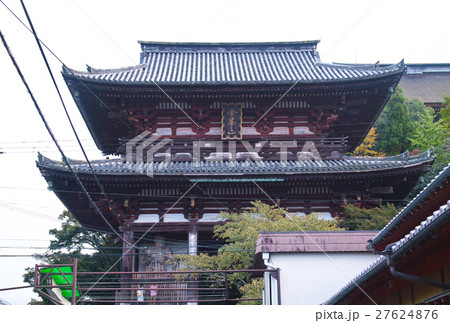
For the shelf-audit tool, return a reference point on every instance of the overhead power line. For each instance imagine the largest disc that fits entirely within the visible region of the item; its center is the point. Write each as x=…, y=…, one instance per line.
x=41, y=115
x=67, y=113
x=80, y=81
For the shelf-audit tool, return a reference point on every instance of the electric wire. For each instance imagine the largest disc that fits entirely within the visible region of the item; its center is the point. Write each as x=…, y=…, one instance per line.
x=41, y=115
x=69, y=70
x=48, y=67
x=67, y=113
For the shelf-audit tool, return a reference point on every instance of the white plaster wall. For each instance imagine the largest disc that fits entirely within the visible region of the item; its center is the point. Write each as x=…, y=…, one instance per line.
x=312, y=278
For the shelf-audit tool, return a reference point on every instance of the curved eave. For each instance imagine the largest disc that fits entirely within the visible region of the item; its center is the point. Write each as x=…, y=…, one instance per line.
x=341, y=167
x=87, y=77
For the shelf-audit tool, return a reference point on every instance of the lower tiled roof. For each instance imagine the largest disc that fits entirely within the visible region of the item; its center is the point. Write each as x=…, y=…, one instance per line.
x=345, y=165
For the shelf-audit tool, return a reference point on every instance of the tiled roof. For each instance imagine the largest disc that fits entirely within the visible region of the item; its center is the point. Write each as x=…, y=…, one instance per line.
x=424, y=229
x=345, y=165
x=442, y=176
x=428, y=87
x=2, y=302
x=324, y=241
x=427, y=68
x=233, y=63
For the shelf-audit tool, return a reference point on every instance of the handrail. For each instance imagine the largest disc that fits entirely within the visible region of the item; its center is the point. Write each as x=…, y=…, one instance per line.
x=141, y=287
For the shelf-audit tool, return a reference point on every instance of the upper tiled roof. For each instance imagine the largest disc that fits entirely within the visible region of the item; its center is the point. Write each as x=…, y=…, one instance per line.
x=233, y=63
x=345, y=165
x=433, y=222
x=323, y=241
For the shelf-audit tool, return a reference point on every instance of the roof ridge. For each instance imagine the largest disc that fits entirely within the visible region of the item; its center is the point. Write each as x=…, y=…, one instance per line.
x=350, y=66
x=404, y=155
x=228, y=44
x=91, y=70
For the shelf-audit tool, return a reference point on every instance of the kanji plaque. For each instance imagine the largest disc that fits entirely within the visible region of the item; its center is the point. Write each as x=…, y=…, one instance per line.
x=232, y=121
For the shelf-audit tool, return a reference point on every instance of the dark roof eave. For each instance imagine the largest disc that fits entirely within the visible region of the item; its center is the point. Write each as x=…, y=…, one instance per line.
x=46, y=163
x=177, y=85
x=444, y=174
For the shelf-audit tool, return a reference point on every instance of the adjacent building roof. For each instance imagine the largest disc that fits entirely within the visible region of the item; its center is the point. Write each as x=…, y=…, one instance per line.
x=424, y=229
x=346, y=165
x=437, y=189
x=320, y=241
x=427, y=82
x=234, y=64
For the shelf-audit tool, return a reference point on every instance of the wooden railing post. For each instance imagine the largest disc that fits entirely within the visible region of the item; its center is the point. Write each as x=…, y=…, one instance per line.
x=226, y=288
x=36, y=278
x=74, y=280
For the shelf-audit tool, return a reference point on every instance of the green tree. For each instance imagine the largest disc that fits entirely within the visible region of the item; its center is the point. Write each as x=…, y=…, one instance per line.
x=431, y=134
x=394, y=125
x=71, y=241
x=428, y=134
x=417, y=110
x=367, y=219
x=240, y=232
x=445, y=113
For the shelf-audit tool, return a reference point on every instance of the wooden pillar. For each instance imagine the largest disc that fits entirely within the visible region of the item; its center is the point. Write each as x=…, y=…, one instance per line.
x=193, y=212
x=193, y=251
x=127, y=263
x=127, y=260
x=192, y=238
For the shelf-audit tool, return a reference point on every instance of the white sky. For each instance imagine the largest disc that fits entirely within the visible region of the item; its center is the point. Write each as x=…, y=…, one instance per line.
x=351, y=31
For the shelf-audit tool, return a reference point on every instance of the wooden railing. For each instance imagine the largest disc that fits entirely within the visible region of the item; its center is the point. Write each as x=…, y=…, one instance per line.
x=144, y=288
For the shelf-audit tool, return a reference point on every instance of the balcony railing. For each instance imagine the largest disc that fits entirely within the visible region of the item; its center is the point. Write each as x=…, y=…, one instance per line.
x=63, y=284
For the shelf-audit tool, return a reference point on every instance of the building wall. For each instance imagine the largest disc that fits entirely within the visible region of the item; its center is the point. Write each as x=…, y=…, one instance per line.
x=310, y=278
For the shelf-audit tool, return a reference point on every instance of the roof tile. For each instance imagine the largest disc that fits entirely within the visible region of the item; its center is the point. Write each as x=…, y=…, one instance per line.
x=233, y=63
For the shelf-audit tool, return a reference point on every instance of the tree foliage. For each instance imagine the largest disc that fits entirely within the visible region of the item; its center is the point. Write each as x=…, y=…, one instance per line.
x=445, y=113
x=366, y=148
x=428, y=133
x=240, y=232
x=417, y=110
x=367, y=219
x=72, y=241
x=394, y=125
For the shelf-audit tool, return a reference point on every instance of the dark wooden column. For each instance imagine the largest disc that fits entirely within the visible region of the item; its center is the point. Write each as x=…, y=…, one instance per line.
x=127, y=262
x=193, y=212
x=193, y=238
